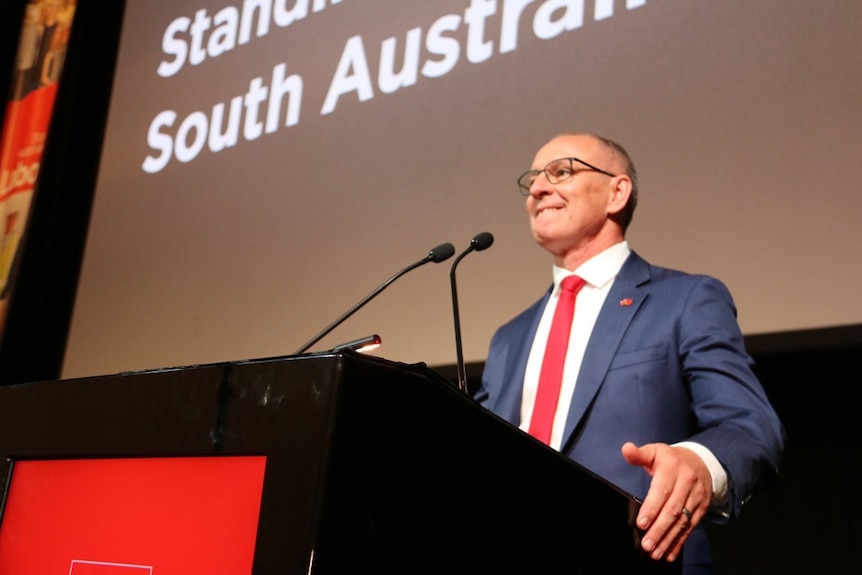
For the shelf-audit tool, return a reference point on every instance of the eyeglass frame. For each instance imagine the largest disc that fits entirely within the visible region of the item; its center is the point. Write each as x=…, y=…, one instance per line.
x=525, y=190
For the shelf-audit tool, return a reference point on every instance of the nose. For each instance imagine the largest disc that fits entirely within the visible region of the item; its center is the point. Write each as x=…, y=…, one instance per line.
x=540, y=186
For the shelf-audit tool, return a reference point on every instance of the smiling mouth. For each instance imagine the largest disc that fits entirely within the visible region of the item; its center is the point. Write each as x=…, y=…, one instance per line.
x=548, y=209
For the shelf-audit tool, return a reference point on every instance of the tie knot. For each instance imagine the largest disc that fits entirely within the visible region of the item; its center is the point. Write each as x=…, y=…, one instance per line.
x=572, y=284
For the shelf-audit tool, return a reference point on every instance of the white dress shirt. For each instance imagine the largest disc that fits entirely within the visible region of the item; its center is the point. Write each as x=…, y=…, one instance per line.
x=599, y=273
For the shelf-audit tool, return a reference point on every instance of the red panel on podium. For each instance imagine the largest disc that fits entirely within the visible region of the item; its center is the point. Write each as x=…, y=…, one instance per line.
x=132, y=516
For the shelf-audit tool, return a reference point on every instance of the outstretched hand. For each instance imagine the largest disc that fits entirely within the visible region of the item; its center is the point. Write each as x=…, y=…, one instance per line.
x=679, y=496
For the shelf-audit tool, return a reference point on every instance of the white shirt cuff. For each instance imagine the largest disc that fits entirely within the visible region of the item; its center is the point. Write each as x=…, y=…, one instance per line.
x=716, y=471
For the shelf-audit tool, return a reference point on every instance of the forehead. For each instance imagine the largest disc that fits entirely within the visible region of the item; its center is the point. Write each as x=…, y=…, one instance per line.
x=582, y=147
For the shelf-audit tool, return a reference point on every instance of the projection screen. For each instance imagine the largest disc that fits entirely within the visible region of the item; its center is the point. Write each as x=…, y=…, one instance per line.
x=268, y=163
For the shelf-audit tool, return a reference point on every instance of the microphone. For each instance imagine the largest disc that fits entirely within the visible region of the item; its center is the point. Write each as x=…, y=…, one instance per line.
x=481, y=241
x=438, y=254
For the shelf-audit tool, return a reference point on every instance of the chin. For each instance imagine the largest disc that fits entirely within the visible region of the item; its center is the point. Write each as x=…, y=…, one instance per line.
x=549, y=244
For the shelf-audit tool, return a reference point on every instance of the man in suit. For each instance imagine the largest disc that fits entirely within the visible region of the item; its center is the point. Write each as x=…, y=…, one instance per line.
x=657, y=394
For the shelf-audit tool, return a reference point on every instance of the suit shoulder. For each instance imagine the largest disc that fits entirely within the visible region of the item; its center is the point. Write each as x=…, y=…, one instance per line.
x=683, y=278
x=690, y=279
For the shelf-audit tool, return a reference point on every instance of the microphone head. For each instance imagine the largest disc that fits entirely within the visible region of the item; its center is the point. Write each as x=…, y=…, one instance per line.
x=482, y=241
x=441, y=253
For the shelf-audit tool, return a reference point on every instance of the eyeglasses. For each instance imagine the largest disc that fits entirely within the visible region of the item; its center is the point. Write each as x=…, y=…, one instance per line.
x=557, y=172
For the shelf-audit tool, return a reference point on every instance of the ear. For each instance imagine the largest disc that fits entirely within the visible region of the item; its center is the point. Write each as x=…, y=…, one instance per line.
x=620, y=190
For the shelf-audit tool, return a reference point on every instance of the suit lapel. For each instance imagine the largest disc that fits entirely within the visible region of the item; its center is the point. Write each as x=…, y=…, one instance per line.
x=627, y=294
x=524, y=332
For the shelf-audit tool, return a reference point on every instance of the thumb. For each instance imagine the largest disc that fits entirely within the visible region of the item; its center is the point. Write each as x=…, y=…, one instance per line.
x=640, y=456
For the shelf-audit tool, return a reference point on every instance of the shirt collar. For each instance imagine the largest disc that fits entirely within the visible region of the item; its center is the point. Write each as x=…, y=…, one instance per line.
x=599, y=269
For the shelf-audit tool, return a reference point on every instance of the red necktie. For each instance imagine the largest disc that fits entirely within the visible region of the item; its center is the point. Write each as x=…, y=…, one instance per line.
x=551, y=376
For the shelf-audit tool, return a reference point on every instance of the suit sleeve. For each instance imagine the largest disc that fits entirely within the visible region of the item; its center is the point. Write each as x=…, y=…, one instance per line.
x=493, y=373
x=735, y=420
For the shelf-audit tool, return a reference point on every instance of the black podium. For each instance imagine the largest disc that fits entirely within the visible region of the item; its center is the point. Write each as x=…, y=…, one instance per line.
x=371, y=466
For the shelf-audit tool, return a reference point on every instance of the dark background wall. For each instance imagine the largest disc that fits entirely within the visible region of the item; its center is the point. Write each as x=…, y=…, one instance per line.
x=805, y=522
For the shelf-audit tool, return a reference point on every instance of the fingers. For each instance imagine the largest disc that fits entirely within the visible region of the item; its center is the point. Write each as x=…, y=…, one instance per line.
x=662, y=517
x=671, y=545
x=678, y=497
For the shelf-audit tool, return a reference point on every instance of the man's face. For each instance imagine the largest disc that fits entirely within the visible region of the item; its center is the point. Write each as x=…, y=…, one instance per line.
x=573, y=215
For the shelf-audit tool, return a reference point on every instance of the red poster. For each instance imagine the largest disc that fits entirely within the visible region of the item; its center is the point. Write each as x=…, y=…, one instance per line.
x=41, y=53
x=148, y=516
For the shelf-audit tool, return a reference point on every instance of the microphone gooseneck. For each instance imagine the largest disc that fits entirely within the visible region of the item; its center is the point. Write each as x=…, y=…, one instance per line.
x=437, y=254
x=480, y=241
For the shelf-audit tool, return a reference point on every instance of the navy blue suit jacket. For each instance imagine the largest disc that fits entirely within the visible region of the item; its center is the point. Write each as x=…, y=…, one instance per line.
x=665, y=363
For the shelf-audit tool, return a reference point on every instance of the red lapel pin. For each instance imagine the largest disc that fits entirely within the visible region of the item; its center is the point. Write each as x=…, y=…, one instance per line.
x=626, y=302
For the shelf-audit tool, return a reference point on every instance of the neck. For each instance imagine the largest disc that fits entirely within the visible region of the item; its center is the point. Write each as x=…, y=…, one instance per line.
x=573, y=258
